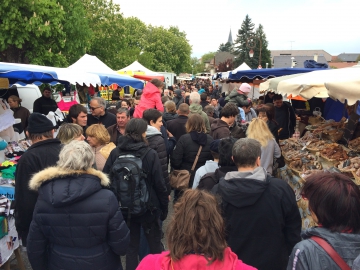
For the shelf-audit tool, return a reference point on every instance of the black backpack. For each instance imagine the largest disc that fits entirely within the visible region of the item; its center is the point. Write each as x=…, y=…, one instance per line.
x=130, y=185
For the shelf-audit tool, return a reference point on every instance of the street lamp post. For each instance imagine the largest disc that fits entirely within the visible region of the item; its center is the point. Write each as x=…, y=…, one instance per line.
x=251, y=44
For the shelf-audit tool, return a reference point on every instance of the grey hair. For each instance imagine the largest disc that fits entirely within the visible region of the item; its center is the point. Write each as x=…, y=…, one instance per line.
x=76, y=155
x=123, y=110
x=100, y=101
x=245, y=152
x=209, y=110
x=195, y=97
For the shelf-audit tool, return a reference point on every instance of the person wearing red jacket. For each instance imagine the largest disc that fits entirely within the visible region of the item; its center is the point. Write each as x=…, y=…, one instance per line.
x=150, y=98
x=195, y=237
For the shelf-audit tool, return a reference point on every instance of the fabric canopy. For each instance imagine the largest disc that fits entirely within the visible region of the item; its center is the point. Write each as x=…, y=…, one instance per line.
x=92, y=64
x=225, y=75
x=137, y=70
x=271, y=84
x=243, y=66
x=266, y=73
x=324, y=82
x=26, y=74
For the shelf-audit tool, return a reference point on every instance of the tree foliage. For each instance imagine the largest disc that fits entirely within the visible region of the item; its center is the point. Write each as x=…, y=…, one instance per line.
x=59, y=32
x=227, y=47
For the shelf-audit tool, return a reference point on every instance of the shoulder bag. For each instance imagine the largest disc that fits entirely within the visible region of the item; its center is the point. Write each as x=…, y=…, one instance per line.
x=179, y=179
x=331, y=252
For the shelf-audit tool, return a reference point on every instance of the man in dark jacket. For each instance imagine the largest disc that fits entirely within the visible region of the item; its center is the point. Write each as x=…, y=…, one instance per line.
x=43, y=153
x=177, y=126
x=226, y=164
x=98, y=113
x=263, y=222
x=221, y=127
x=285, y=117
x=45, y=104
x=203, y=101
x=117, y=130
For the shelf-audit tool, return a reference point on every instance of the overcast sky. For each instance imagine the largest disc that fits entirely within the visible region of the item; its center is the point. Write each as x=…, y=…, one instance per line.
x=331, y=25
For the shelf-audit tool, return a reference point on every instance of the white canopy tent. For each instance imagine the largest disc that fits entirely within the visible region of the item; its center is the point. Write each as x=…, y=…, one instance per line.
x=91, y=63
x=243, y=66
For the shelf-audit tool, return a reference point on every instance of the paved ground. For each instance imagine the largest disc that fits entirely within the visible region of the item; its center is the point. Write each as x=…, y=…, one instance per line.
x=28, y=266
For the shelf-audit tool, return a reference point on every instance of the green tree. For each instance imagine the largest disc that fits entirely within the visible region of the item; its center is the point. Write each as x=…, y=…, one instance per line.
x=265, y=52
x=108, y=28
x=196, y=66
x=358, y=58
x=227, y=47
x=44, y=32
x=241, y=46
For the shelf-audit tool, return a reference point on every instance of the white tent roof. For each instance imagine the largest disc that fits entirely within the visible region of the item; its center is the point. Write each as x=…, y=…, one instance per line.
x=136, y=66
x=243, y=66
x=91, y=63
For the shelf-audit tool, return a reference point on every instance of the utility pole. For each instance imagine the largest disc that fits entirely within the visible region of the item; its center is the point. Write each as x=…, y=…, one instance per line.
x=291, y=42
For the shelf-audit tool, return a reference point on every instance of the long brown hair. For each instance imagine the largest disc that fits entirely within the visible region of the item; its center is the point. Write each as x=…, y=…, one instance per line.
x=196, y=227
x=196, y=123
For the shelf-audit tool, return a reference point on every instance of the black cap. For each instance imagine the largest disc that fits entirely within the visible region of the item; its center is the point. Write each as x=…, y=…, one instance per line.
x=39, y=123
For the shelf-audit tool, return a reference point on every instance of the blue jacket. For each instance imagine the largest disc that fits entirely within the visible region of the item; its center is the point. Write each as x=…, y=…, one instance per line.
x=76, y=223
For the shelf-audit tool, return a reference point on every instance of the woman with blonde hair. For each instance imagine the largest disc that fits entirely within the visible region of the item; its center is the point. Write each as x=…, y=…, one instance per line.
x=69, y=132
x=99, y=139
x=259, y=131
x=195, y=237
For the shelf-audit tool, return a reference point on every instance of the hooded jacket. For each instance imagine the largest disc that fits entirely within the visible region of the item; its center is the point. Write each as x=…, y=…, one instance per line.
x=169, y=116
x=184, y=154
x=209, y=167
x=219, y=129
x=178, y=99
x=156, y=142
x=239, y=99
x=308, y=255
x=150, y=164
x=262, y=219
x=77, y=224
x=197, y=108
x=192, y=262
x=150, y=99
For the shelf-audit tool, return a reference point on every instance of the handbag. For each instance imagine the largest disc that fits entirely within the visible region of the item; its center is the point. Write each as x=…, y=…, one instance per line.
x=331, y=252
x=179, y=179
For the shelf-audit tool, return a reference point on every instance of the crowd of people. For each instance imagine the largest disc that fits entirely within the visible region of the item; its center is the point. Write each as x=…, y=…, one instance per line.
x=234, y=214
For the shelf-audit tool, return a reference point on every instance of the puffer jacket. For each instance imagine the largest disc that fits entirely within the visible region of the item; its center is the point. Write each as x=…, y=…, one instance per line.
x=76, y=224
x=308, y=255
x=239, y=99
x=156, y=142
x=150, y=99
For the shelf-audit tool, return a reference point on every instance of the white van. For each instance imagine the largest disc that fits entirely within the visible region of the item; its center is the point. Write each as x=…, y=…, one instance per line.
x=28, y=93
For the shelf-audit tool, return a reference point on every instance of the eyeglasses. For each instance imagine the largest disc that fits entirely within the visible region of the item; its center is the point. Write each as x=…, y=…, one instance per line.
x=94, y=108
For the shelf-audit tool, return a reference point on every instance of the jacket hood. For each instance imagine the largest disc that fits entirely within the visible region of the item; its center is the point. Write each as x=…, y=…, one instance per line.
x=209, y=165
x=243, y=188
x=218, y=123
x=198, y=262
x=346, y=244
x=150, y=90
x=177, y=93
x=63, y=187
x=152, y=131
x=126, y=144
x=195, y=108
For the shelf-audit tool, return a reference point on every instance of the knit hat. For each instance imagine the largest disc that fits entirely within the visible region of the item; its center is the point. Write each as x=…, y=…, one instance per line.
x=245, y=88
x=214, y=146
x=39, y=123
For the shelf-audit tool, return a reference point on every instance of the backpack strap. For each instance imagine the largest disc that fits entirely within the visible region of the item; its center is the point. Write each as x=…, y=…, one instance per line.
x=331, y=252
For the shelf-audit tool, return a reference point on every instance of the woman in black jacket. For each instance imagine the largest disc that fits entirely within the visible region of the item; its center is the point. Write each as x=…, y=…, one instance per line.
x=134, y=142
x=186, y=149
x=154, y=137
x=76, y=223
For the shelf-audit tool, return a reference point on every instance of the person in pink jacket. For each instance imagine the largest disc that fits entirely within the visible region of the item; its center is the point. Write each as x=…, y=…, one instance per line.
x=150, y=98
x=196, y=238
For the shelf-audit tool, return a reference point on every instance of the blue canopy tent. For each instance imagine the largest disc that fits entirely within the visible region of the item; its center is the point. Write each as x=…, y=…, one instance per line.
x=249, y=75
x=25, y=74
